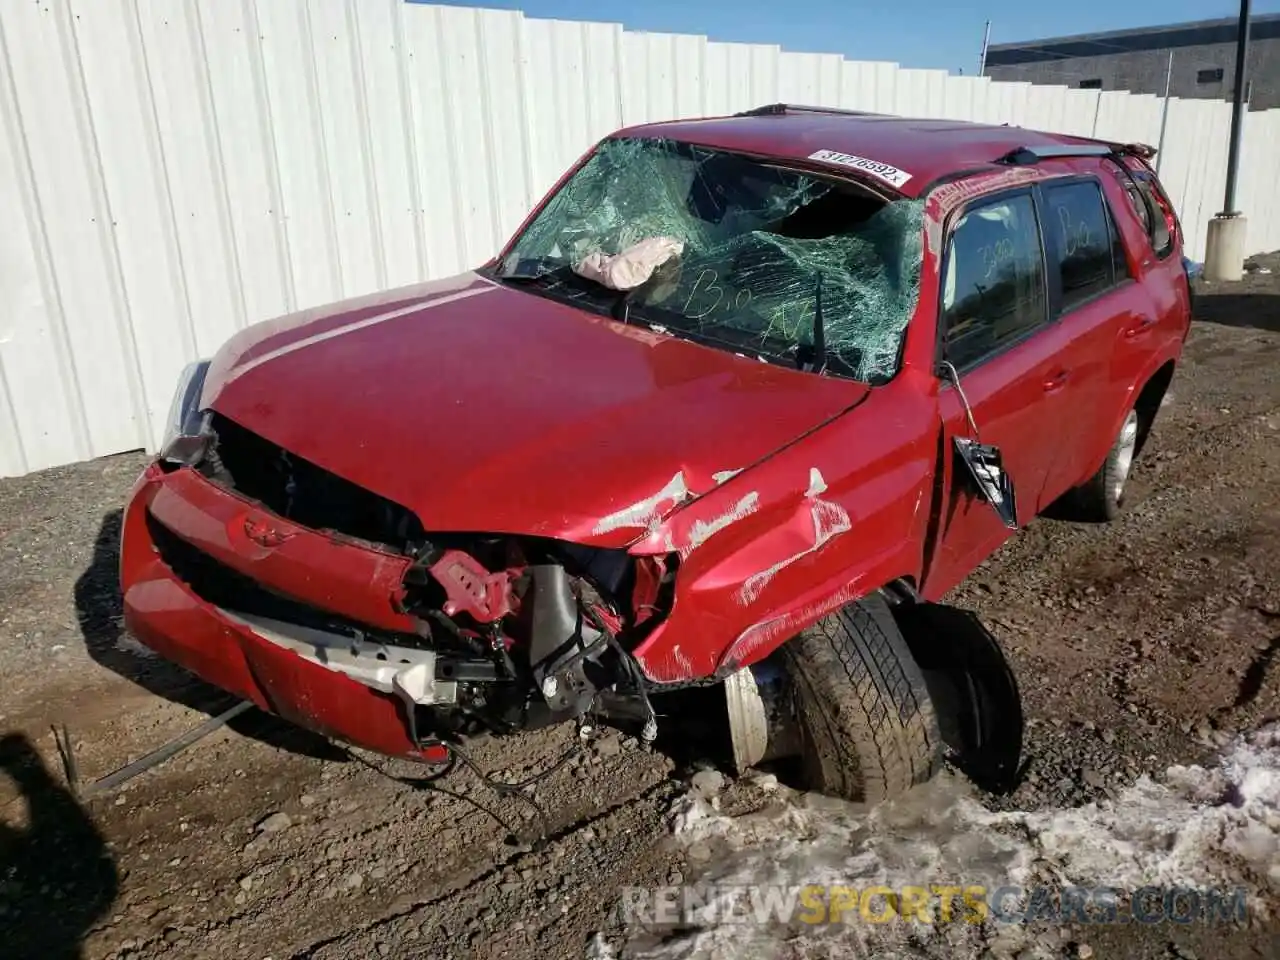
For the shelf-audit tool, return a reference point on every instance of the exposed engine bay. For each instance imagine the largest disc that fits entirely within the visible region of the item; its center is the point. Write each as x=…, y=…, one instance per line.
x=507, y=633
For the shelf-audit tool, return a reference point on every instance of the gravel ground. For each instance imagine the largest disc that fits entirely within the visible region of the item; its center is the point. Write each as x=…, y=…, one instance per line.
x=1140, y=644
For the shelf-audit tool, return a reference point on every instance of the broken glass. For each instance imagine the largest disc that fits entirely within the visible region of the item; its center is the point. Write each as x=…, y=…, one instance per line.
x=757, y=242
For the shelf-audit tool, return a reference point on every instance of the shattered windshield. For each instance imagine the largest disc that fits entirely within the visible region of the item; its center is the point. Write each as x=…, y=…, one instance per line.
x=731, y=251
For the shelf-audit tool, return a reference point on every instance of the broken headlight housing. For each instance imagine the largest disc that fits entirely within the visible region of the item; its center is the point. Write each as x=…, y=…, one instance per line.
x=186, y=433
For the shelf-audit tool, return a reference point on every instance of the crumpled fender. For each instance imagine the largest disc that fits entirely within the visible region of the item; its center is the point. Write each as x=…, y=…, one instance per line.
x=775, y=547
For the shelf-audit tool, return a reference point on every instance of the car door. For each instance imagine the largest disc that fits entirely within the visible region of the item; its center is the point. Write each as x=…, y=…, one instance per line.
x=994, y=329
x=1099, y=314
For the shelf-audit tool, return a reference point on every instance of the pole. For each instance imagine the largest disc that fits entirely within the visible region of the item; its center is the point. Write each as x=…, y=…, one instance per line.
x=1237, y=110
x=1164, y=114
x=982, y=57
x=1228, y=231
x=142, y=764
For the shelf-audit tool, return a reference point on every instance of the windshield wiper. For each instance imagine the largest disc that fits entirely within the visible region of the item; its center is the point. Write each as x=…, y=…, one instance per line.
x=516, y=277
x=564, y=274
x=819, y=329
x=622, y=306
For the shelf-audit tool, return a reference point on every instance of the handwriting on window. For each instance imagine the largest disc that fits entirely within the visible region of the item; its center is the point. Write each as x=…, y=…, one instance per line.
x=707, y=296
x=711, y=299
x=1075, y=233
x=996, y=257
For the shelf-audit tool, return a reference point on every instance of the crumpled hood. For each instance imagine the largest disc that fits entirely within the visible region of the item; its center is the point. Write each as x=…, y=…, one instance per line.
x=485, y=408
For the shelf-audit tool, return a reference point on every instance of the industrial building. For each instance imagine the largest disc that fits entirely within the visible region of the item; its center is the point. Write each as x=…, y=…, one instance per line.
x=1202, y=65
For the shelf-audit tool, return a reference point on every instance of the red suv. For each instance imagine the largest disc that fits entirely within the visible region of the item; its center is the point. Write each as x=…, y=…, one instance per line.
x=740, y=395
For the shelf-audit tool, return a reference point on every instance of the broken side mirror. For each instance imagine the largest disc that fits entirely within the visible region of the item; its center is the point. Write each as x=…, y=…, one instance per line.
x=984, y=470
x=988, y=478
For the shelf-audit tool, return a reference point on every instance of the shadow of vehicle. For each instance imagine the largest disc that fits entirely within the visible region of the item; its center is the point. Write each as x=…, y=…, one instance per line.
x=1258, y=309
x=100, y=609
x=969, y=679
x=57, y=876
x=973, y=689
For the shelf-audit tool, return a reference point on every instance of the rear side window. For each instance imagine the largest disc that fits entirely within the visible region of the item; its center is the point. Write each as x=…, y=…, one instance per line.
x=1159, y=230
x=994, y=290
x=1085, y=247
x=1139, y=204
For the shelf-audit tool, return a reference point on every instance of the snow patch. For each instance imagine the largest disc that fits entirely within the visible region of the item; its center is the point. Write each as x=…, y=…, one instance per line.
x=647, y=513
x=1197, y=827
x=598, y=949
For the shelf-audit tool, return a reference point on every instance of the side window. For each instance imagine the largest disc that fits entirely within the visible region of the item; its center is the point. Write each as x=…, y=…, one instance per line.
x=994, y=290
x=1089, y=255
x=1161, y=237
x=1139, y=204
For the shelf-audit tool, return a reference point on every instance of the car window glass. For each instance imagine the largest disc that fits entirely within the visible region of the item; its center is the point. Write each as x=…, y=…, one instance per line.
x=1139, y=205
x=754, y=258
x=1119, y=262
x=993, y=290
x=1161, y=239
x=1085, y=240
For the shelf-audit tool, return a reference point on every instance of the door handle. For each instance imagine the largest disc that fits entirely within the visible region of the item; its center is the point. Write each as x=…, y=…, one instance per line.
x=1057, y=381
x=1139, y=328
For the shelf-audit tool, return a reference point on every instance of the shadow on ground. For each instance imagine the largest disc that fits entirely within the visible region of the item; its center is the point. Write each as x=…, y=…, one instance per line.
x=1259, y=311
x=100, y=610
x=971, y=685
x=57, y=877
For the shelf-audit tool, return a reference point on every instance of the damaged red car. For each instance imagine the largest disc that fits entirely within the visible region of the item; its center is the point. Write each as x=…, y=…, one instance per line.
x=739, y=403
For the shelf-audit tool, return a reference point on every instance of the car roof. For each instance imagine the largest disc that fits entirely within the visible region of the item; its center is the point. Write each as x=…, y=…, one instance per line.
x=924, y=149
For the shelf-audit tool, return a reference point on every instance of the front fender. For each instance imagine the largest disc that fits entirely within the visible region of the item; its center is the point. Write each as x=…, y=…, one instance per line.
x=781, y=545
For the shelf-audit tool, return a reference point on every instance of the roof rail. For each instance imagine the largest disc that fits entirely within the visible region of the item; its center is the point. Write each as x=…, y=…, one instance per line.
x=777, y=109
x=1023, y=156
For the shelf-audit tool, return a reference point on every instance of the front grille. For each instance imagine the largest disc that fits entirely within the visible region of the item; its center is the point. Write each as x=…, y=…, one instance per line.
x=303, y=492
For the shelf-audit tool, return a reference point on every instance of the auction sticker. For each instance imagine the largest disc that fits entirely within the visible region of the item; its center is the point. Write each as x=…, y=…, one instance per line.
x=881, y=171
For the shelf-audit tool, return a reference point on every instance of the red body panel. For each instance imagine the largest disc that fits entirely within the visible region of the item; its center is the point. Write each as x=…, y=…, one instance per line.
x=487, y=409
x=360, y=582
x=1009, y=396
x=835, y=516
x=925, y=149
x=482, y=408
x=168, y=617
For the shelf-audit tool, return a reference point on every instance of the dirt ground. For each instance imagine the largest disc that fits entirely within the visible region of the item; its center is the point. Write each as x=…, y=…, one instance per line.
x=1138, y=645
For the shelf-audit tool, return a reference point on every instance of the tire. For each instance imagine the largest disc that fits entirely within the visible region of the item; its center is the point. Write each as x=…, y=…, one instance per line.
x=1100, y=499
x=867, y=726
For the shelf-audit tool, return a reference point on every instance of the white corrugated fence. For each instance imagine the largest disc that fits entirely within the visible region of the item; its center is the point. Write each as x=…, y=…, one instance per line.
x=172, y=170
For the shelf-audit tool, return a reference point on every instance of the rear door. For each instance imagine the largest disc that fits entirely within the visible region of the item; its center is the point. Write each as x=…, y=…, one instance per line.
x=1101, y=314
x=994, y=326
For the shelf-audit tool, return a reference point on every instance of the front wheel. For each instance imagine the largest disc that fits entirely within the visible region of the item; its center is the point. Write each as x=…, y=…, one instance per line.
x=867, y=726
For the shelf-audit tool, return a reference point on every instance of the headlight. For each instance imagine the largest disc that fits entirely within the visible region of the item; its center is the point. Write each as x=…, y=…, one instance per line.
x=185, y=435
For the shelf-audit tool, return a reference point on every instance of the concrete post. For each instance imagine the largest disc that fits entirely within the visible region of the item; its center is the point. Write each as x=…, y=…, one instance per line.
x=1224, y=251
x=1225, y=247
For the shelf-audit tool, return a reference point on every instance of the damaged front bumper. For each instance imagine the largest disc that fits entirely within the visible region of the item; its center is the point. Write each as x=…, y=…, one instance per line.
x=359, y=692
